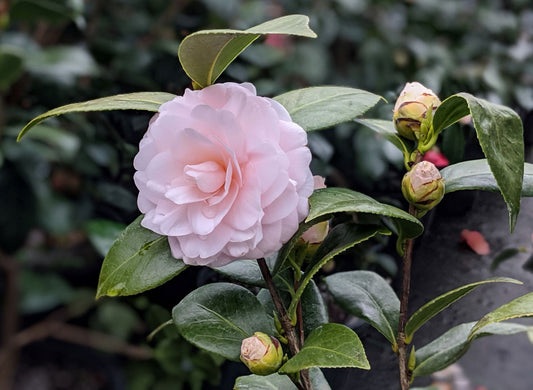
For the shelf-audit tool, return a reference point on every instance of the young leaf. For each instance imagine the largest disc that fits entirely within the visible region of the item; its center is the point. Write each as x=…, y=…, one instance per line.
x=432, y=308
x=331, y=346
x=519, y=307
x=317, y=108
x=138, y=261
x=205, y=54
x=453, y=344
x=368, y=296
x=280, y=382
x=217, y=317
x=386, y=129
x=500, y=133
x=340, y=238
x=147, y=101
x=335, y=200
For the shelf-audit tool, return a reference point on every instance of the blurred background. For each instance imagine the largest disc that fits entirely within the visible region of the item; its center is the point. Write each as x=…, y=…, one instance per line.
x=66, y=191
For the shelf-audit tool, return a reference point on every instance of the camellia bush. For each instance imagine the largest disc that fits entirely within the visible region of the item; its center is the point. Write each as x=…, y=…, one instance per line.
x=224, y=182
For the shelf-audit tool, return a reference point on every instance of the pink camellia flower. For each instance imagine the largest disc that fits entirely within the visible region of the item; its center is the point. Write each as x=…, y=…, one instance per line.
x=436, y=157
x=224, y=174
x=317, y=233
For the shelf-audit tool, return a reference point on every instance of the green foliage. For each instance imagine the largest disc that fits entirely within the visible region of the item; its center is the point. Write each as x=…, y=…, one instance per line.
x=280, y=382
x=318, y=108
x=217, y=317
x=476, y=175
x=138, y=261
x=103, y=233
x=10, y=68
x=149, y=101
x=368, y=296
x=205, y=54
x=330, y=345
x=435, y=306
x=500, y=134
x=453, y=344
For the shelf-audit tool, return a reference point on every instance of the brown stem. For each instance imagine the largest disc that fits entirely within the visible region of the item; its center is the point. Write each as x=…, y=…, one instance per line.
x=403, y=360
x=290, y=333
x=9, y=364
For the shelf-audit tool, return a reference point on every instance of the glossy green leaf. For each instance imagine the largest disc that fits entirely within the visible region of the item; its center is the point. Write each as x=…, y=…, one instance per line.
x=500, y=133
x=317, y=108
x=147, y=101
x=205, y=54
x=217, y=317
x=453, y=344
x=103, y=233
x=139, y=260
x=435, y=306
x=330, y=346
x=476, y=175
x=244, y=271
x=340, y=238
x=368, y=296
x=335, y=200
x=519, y=307
x=280, y=382
x=386, y=129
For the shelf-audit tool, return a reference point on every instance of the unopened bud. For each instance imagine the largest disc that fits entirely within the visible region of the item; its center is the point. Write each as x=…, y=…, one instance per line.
x=262, y=354
x=411, y=109
x=317, y=233
x=423, y=186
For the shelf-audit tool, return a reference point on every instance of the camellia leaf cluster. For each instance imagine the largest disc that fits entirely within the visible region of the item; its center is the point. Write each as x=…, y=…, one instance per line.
x=278, y=296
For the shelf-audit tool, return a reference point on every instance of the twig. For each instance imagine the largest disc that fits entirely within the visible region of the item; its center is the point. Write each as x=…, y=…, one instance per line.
x=290, y=333
x=404, y=302
x=9, y=361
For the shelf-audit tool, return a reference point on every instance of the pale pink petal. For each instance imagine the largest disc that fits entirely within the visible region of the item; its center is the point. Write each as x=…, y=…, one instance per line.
x=475, y=241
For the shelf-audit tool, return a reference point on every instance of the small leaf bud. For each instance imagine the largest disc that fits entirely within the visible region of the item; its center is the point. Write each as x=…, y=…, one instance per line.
x=262, y=354
x=411, y=109
x=423, y=186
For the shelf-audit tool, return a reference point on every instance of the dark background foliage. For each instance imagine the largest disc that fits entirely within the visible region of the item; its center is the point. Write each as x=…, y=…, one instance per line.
x=67, y=190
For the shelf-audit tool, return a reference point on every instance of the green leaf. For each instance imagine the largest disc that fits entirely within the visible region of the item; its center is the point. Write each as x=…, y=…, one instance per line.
x=317, y=108
x=340, y=238
x=435, y=306
x=476, y=175
x=148, y=101
x=244, y=271
x=386, y=129
x=519, y=307
x=205, y=54
x=500, y=133
x=368, y=296
x=11, y=67
x=314, y=310
x=335, y=200
x=504, y=255
x=217, y=317
x=331, y=346
x=138, y=261
x=103, y=233
x=280, y=382
x=453, y=344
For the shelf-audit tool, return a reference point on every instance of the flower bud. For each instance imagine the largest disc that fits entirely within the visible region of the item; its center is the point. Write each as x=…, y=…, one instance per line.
x=423, y=186
x=316, y=233
x=411, y=109
x=262, y=354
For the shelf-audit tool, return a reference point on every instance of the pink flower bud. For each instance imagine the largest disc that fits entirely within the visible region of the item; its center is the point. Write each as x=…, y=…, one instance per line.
x=262, y=354
x=411, y=109
x=423, y=186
